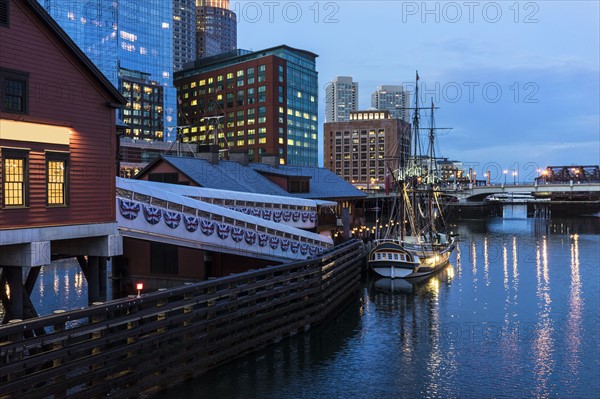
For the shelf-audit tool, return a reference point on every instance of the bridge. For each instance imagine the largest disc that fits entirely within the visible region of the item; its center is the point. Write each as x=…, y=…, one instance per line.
x=253, y=225
x=479, y=192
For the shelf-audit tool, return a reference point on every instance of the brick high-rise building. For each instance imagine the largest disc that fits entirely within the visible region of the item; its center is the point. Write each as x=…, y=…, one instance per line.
x=367, y=147
x=264, y=102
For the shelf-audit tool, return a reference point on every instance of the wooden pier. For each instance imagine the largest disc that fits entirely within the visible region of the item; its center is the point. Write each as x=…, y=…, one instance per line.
x=140, y=345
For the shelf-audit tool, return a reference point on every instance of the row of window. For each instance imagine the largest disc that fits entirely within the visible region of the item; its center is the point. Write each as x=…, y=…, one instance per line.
x=15, y=178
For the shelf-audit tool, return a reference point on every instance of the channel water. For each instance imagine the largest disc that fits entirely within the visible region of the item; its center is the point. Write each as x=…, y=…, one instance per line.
x=516, y=313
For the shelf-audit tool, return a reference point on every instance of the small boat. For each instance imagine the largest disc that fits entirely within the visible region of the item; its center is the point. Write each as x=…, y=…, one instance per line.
x=416, y=244
x=514, y=198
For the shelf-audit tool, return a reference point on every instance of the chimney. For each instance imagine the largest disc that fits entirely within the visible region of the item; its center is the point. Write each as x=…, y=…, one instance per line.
x=272, y=160
x=208, y=152
x=240, y=157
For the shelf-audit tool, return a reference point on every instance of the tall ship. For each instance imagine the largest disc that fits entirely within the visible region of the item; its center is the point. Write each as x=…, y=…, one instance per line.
x=417, y=241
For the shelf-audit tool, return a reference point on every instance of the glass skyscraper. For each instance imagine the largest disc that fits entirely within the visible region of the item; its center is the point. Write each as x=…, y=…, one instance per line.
x=341, y=98
x=127, y=35
x=216, y=28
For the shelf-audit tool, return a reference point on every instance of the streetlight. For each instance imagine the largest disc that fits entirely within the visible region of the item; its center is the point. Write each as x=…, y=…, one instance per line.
x=515, y=178
x=505, y=173
x=485, y=176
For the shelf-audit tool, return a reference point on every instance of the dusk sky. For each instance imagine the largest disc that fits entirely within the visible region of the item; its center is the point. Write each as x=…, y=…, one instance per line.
x=518, y=82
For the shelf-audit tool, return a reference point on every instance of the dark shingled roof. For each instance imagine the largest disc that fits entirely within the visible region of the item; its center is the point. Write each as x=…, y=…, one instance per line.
x=229, y=175
x=324, y=184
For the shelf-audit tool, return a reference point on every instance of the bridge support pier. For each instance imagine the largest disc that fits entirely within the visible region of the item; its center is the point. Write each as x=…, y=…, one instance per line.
x=94, y=269
x=18, y=305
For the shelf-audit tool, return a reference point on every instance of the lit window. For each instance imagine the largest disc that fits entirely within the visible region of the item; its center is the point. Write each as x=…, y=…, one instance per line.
x=14, y=178
x=56, y=178
x=165, y=25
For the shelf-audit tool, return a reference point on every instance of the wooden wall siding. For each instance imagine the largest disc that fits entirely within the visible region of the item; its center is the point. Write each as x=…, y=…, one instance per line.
x=137, y=253
x=191, y=263
x=62, y=92
x=134, y=347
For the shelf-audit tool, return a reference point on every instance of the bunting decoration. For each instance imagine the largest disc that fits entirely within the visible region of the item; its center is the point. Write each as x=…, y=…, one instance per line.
x=287, y=215
x=313, y=250
x=262, y=239
x=295, y=246
x=172, y=219
x=152, y=214
x=191, y=223
x=274, y=242
x=256, y=212
x=304, y=217
x=237, y=234
x=207, y=227
x=285, y=244
x=312, y=217
x=277, y=216
x=303, y=249
x=266, y=214
x=223, y=230
x=129, y=209
x=295, y=216
x=250, y=237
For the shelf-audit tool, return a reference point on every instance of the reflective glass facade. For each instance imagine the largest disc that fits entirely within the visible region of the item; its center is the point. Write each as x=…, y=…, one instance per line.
x=302, y=106
x=135, y=35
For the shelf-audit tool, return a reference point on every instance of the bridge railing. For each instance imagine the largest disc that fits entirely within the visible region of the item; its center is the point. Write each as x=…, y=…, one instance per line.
x=142, y=344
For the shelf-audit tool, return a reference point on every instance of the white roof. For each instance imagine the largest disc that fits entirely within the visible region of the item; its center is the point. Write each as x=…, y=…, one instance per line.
x=163, y=191
x=190, y=191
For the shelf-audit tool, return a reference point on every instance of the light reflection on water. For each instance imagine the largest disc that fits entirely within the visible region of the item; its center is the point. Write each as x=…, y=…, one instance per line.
x=450, y=336
x=515, y=314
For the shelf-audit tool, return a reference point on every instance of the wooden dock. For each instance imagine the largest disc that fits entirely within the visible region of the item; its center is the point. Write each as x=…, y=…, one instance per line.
x=140, y=345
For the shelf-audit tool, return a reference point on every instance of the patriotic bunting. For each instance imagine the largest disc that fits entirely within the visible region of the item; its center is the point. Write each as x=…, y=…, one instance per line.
x=152, y=214
x=287, y=215
x=207, y=227
x=223, y=230
x=191, y=223
x=172, y=219
x=237, y=234
x=129, y=209
x=274, y=242
x=262, y=239
x=250, y=237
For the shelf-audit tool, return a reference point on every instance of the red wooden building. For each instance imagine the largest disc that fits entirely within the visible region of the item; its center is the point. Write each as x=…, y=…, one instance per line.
x=57, y=153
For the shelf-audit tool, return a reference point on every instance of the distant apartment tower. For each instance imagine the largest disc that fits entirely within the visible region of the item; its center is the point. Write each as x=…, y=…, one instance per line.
x=341, y=97
x=263, y=102
x=126, y=36
x=394, y=99
x=216, y=28
x=184, y=32
x=365, y=148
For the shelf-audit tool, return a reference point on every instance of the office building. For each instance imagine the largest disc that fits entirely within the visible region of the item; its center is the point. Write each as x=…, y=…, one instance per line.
x=366, y=148
x=394, y=99
x=341, y=98
x=184, y=32
x=132, y=36
x=216, y=28
x=265, y=102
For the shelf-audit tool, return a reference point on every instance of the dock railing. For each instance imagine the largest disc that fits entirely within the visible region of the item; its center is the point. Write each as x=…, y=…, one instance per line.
x=140, y=345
